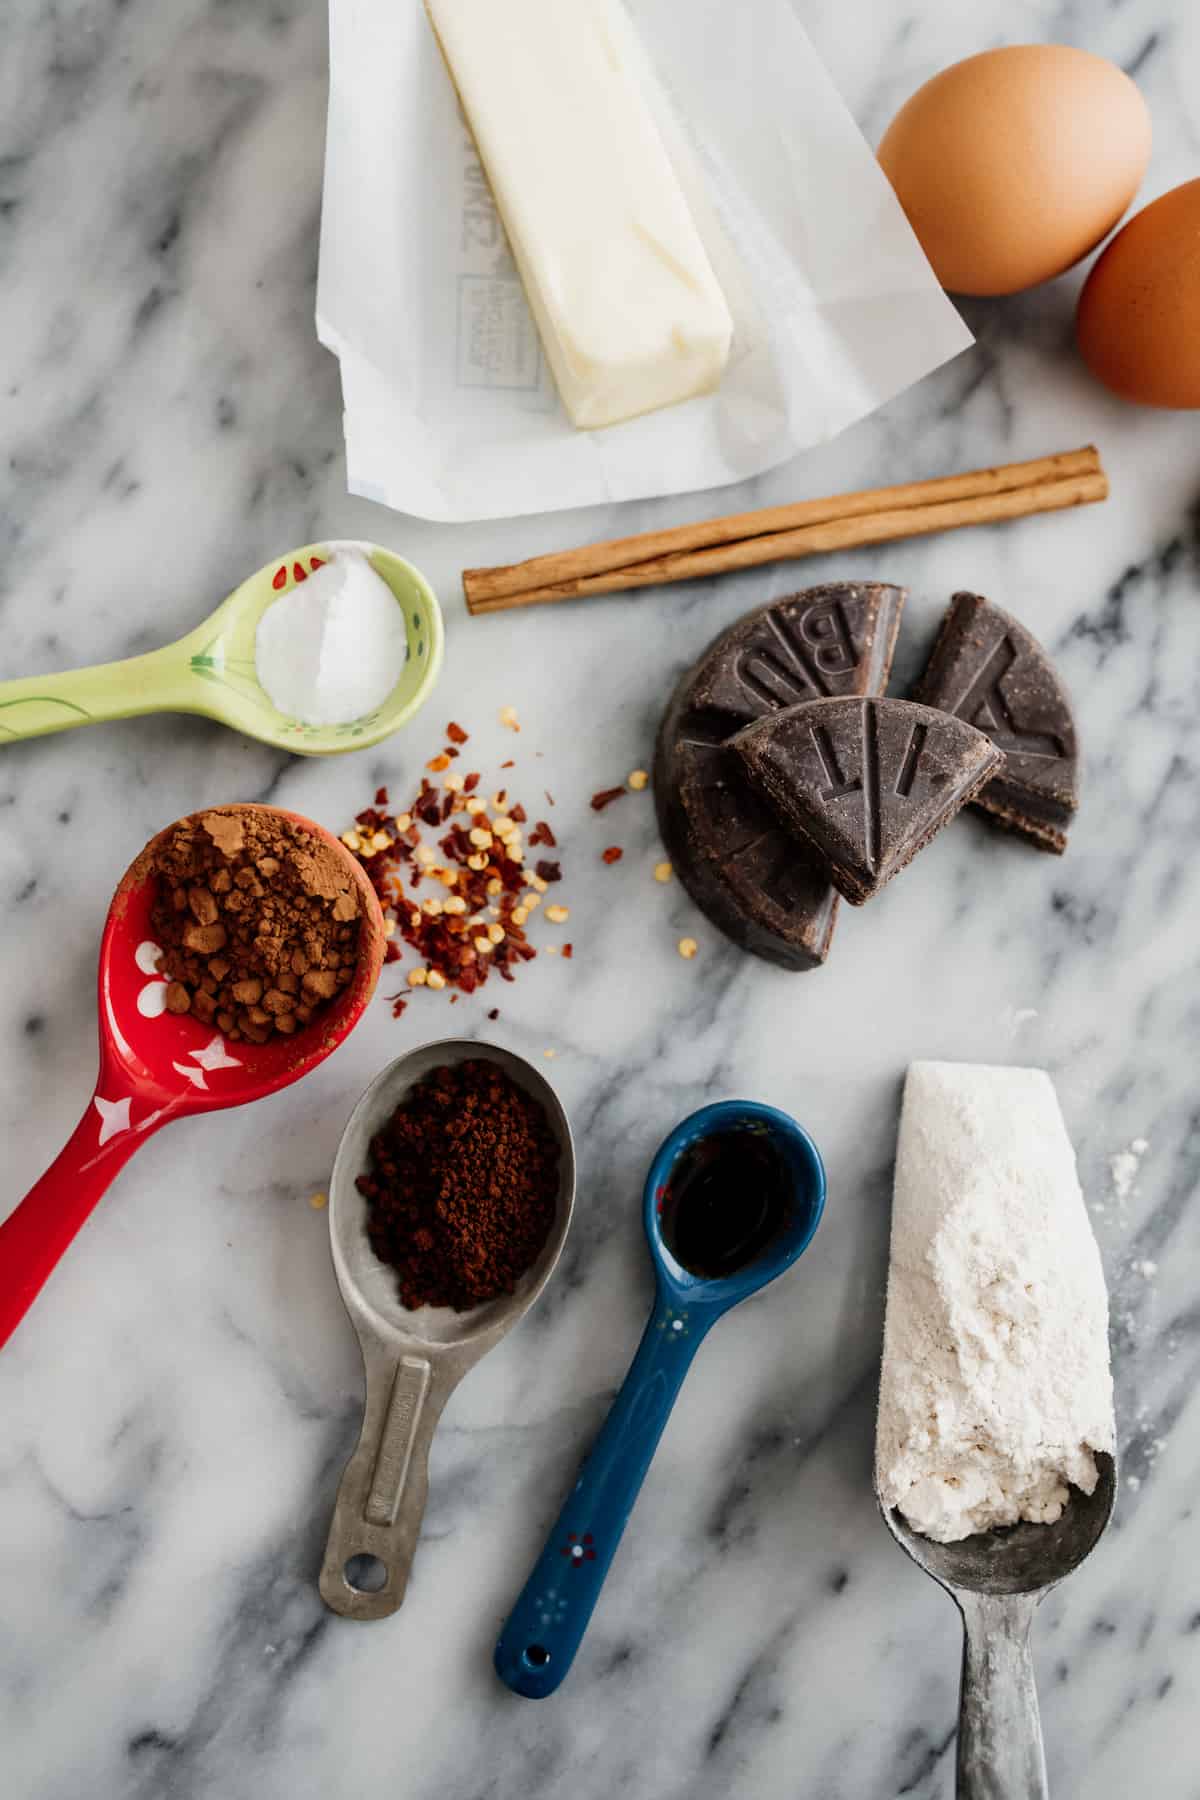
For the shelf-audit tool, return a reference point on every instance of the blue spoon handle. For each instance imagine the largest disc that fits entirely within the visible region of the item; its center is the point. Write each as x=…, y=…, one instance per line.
x=545, y=1628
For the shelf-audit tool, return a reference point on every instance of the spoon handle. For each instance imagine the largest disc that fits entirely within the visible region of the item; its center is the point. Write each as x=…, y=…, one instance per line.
x=36, y=705
x=381, y=1498
x=546, y=1626
x=1000, y=1754
x=42, y=1225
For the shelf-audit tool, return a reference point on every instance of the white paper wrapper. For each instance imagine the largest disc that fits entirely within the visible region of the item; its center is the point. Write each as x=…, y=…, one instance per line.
x=450, y=409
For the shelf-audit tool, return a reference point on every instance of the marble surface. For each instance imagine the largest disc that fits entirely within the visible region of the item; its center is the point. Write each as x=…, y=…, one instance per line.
x=175, y=1411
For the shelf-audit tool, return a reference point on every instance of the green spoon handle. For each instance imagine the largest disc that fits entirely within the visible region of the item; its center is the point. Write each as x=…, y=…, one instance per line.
x=161, y=681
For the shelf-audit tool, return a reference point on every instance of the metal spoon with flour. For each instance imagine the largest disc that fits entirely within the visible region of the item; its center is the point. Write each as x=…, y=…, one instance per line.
x=997, y=1580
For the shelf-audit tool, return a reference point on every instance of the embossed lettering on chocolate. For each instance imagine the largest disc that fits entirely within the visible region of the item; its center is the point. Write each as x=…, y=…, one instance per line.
x=989, y=671
x=744, y=870
x=867, y=782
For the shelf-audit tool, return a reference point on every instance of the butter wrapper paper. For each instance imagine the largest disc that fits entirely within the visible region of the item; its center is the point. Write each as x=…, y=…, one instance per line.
x=450, y=409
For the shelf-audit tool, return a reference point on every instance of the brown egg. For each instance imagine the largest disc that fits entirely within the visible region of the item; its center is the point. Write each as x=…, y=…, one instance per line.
x=1139, y=313
x=1015, y=163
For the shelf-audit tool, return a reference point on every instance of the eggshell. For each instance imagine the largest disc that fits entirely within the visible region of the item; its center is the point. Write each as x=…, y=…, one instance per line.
x=1015, y=163
x=1139, y=313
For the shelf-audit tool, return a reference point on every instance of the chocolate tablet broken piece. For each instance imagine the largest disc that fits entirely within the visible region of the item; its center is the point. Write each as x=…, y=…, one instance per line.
x=866, y=782
x=825, y=641
x=764, y=890
x=748, y=874
x=989, y=671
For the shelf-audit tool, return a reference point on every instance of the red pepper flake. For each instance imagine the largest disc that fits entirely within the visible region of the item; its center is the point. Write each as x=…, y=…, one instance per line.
x=605, y=797
x=471, y=781
x=542, y=834
x=399, y=1002
x=495, y=1013
x=436, y=764
x=510, y=764
x=518, y=815
x=299, y=572
x=549, y=796
x=613, y=854
x=456, y=734
x=279, y=578
x=549, y=871
x=445, y=941
x=451, y=750
x=568, y=950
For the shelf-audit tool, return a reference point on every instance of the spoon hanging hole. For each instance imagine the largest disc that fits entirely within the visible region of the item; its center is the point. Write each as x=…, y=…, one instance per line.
x=537, y=1656
x=366, y=1574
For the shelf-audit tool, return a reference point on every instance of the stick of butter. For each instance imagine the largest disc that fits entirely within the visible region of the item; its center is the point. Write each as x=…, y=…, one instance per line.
x=625, y=298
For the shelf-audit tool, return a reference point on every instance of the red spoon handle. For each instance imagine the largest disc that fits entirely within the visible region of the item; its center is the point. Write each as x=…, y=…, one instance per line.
x=36, y=1234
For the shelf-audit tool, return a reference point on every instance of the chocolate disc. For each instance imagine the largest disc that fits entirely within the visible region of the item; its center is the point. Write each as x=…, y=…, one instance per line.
x=989, y=671
x=866, y=782
x=740, y=865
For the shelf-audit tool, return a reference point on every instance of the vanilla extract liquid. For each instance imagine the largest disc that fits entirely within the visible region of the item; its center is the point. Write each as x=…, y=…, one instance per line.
x=726, y=1200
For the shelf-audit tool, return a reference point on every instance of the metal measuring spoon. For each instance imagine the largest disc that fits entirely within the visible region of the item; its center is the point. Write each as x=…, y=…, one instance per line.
x=413, y=1360
x=213, y=671
x=997, y=1579
x=546, y=1626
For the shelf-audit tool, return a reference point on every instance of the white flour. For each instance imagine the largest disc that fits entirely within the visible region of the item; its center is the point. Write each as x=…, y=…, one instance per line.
x=332, y=649
x=996, y=1388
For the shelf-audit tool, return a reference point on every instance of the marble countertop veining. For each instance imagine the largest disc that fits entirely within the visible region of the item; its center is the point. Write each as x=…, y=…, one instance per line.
x=176, y=1409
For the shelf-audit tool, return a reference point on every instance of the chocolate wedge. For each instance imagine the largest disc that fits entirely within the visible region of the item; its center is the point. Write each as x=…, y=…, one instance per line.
x=744, y=870
x=866, y=782
x=989, y=671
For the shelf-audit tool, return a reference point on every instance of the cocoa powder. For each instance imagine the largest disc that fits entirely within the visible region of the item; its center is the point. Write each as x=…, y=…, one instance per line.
x=462, y=1188
x=258, y=921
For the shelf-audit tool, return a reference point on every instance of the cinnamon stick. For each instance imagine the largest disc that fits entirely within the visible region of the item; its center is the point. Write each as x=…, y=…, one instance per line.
x=808, y=527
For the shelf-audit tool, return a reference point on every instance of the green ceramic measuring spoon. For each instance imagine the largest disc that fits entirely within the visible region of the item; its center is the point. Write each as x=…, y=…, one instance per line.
x=212, y=671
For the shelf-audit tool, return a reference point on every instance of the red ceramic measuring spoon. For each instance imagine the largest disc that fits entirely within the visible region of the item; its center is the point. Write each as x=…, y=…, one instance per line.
x=156, y=1066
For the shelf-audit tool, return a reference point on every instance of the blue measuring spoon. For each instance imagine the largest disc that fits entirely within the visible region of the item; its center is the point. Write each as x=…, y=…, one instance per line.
x=545, y=1628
